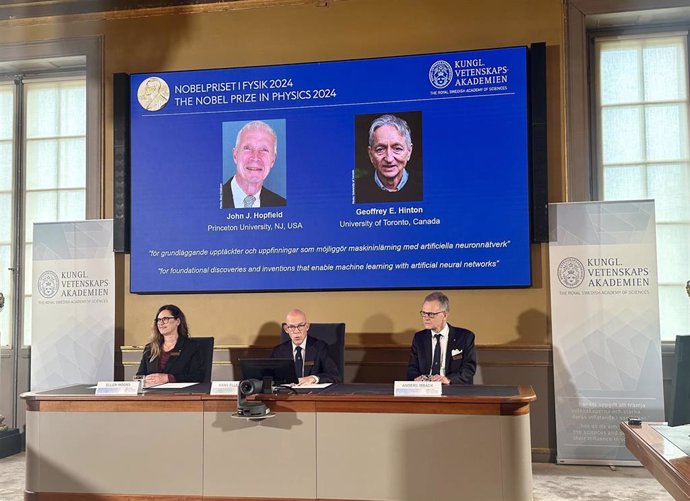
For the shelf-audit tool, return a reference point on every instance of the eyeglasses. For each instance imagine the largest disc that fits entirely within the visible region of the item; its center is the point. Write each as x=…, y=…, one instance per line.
x=298, y=327
x=164, y=320
x=430, y=314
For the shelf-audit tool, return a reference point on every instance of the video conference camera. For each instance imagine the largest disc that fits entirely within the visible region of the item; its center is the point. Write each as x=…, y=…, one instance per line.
x=252, y=410
x=263, y=375
x=252, y=386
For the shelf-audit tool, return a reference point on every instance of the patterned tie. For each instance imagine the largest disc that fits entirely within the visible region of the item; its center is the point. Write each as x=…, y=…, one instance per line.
x=299, y=366
x=249, y=201
x=436, y=363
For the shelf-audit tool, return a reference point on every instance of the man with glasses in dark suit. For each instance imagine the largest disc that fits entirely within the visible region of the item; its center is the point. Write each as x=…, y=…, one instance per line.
x=313, y=364
x=441, y=352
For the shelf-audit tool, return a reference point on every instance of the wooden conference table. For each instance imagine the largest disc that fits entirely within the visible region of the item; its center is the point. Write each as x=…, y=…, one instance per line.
x=665, y=452
x=345, y=442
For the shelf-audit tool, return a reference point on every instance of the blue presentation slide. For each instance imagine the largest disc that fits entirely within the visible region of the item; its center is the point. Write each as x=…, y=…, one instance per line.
x=390, y=173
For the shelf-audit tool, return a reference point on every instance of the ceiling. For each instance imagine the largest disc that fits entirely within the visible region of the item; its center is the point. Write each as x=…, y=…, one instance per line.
x=42, y=65
x=22, y=9
x=25, y=9
x=638, y=18
x=11, y=10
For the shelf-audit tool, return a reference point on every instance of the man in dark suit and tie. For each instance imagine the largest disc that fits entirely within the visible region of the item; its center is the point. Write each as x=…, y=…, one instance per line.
x=441, y=352
x=312, y=362
x=255, y=151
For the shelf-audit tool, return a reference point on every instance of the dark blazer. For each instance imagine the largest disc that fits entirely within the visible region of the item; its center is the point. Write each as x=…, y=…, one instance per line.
x=367, y=191
x=266, y=199
x=317, y=362
x=186, y=362
x=459, y=369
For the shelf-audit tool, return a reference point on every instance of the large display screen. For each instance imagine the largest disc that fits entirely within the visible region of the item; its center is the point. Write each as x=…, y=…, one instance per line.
x=390, y=173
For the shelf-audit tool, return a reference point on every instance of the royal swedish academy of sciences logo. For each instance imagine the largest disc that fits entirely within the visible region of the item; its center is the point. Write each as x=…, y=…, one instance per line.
x=48, y=284
x=571, y=272
x=440, y=74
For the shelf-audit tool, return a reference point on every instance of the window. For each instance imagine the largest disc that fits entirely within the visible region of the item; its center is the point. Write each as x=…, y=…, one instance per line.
x=6, y=204
x=642, y=150
x=55, y=152
x=51, y=99
x=42, y=174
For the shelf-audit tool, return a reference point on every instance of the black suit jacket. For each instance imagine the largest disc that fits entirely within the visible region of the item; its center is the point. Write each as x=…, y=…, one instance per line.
x=459, y=369
x=266, y=199
x=186, y=362
x=367, y=191
x=317, y=362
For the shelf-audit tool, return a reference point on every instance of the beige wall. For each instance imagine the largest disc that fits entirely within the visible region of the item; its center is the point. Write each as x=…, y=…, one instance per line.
x=297, y=33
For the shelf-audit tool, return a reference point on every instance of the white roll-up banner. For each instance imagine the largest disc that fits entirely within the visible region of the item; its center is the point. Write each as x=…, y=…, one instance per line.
x=73, y=304
x=605, y=326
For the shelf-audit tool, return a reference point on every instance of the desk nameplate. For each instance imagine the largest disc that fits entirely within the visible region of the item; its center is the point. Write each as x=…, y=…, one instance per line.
x=224, y=388
x=417, y=389
x=118, y=388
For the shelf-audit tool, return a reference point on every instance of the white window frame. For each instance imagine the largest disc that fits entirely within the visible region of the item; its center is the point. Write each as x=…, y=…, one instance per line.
x=581, y=17
x=18, y=355
x=92, y=48
x=599, y=167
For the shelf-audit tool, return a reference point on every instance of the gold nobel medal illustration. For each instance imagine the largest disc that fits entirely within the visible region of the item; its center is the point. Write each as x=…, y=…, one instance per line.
x=153, y=94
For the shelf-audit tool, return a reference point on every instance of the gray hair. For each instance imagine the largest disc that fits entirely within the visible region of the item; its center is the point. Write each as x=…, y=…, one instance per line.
x=441, y=298
x=397, y=122
x=258, y=124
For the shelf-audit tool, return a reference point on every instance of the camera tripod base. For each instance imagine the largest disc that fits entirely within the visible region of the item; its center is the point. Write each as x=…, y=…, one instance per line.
x=252, y=418
x=252, y=410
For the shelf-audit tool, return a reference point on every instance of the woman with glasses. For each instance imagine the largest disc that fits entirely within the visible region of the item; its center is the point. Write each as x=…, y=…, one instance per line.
x=171, y=355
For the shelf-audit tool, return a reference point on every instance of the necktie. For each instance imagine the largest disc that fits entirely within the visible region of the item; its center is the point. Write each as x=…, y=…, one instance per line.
x=249, y=201
x=436, y=363
x=299, y=366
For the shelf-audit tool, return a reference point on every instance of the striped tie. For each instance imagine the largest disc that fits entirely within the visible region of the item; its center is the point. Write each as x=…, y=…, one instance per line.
x=249, y=201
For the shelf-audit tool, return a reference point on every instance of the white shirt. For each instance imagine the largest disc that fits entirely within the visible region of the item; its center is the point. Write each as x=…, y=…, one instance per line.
x=444, y=345
x=238, y=195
